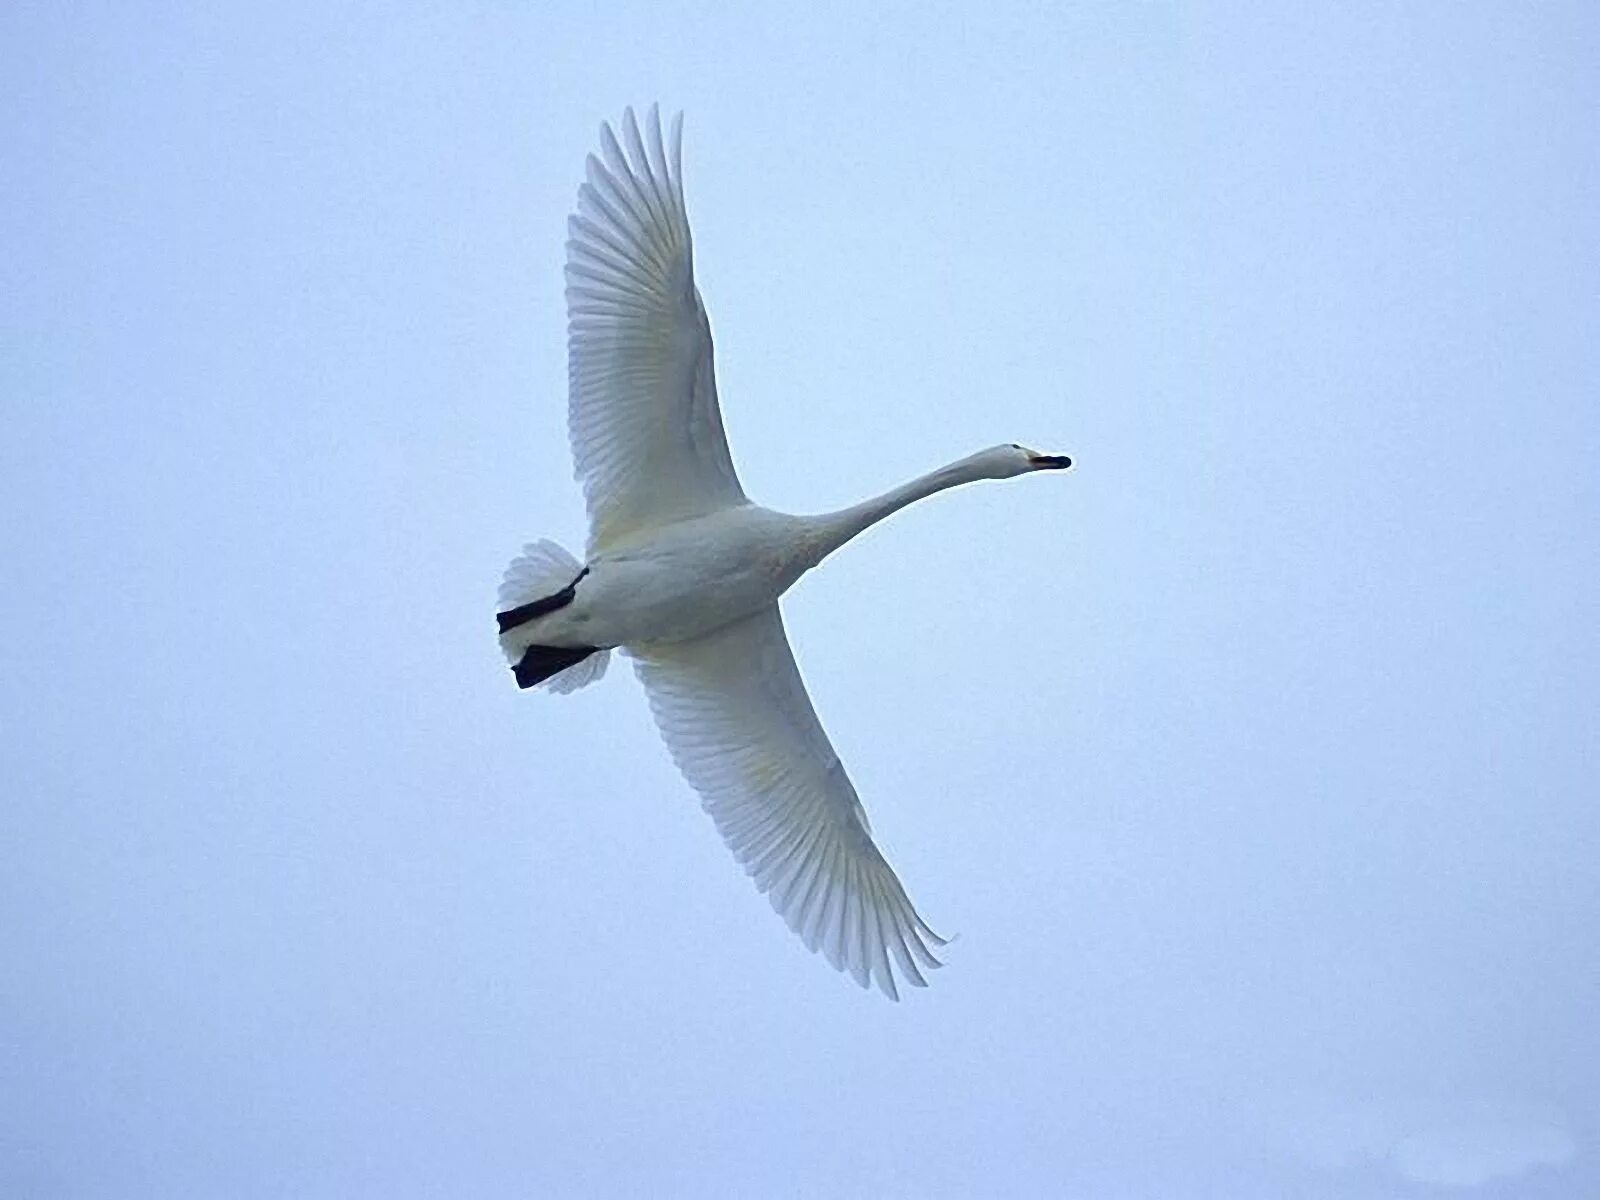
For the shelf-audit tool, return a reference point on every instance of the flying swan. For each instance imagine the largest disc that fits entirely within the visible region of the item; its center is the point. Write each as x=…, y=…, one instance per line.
x=683, y=572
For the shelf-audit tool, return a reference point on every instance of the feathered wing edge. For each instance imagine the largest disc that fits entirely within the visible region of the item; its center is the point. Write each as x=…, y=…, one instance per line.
x=645, y=426
x=735, y=716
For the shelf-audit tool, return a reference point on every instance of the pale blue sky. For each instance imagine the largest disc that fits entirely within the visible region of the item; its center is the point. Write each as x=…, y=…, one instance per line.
x=1254, y=761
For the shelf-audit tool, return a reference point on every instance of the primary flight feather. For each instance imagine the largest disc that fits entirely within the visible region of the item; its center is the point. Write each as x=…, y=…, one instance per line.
x=683, y=572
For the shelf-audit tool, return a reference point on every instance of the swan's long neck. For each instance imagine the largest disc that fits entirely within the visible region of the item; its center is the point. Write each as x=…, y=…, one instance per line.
x=834, y=529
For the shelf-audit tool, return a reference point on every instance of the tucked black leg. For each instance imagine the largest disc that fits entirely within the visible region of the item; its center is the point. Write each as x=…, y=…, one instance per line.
x=540, y=662
x=524, y=613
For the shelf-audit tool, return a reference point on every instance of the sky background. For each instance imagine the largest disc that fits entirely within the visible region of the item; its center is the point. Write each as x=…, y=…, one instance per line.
x=1254, y=761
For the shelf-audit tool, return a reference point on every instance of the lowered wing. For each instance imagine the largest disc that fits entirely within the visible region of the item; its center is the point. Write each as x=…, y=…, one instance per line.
x=736, y=717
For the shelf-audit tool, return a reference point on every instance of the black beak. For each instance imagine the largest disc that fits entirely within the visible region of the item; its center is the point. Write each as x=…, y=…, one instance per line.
x=1050, y=462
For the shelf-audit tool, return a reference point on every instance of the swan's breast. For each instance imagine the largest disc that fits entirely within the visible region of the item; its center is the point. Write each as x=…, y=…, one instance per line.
x=689, y=578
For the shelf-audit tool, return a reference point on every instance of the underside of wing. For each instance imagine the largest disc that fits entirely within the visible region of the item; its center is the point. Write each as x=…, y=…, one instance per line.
x=736, y=717
x=646, y=430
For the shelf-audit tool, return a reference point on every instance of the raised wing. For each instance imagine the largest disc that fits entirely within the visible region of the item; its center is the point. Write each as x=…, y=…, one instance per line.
x=642, y=410
x=735, y=716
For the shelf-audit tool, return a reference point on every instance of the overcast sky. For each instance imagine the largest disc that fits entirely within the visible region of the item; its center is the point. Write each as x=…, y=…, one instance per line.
x=1253, y=761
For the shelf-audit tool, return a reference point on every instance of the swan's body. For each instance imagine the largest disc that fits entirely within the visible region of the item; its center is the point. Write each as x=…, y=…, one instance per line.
x=678, y=582
x=684, y=573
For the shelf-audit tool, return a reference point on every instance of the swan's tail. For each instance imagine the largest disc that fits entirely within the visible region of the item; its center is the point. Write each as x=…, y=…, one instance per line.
x=543, y=578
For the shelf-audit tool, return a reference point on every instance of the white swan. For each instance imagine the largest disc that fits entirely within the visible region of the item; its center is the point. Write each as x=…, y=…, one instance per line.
x=684, y=572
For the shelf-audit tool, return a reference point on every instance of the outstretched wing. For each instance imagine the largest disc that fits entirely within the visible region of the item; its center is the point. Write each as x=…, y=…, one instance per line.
x=642, y=410
x=735, y=716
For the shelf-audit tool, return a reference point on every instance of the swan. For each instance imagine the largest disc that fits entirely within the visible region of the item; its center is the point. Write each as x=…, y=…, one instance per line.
x=683, y=572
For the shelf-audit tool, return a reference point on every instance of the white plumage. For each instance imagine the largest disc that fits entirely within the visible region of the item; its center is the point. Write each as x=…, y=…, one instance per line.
x=642, y=400
x=684, y=573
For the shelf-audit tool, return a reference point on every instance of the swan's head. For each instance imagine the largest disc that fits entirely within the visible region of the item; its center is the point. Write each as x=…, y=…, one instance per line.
x=1002, y=462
